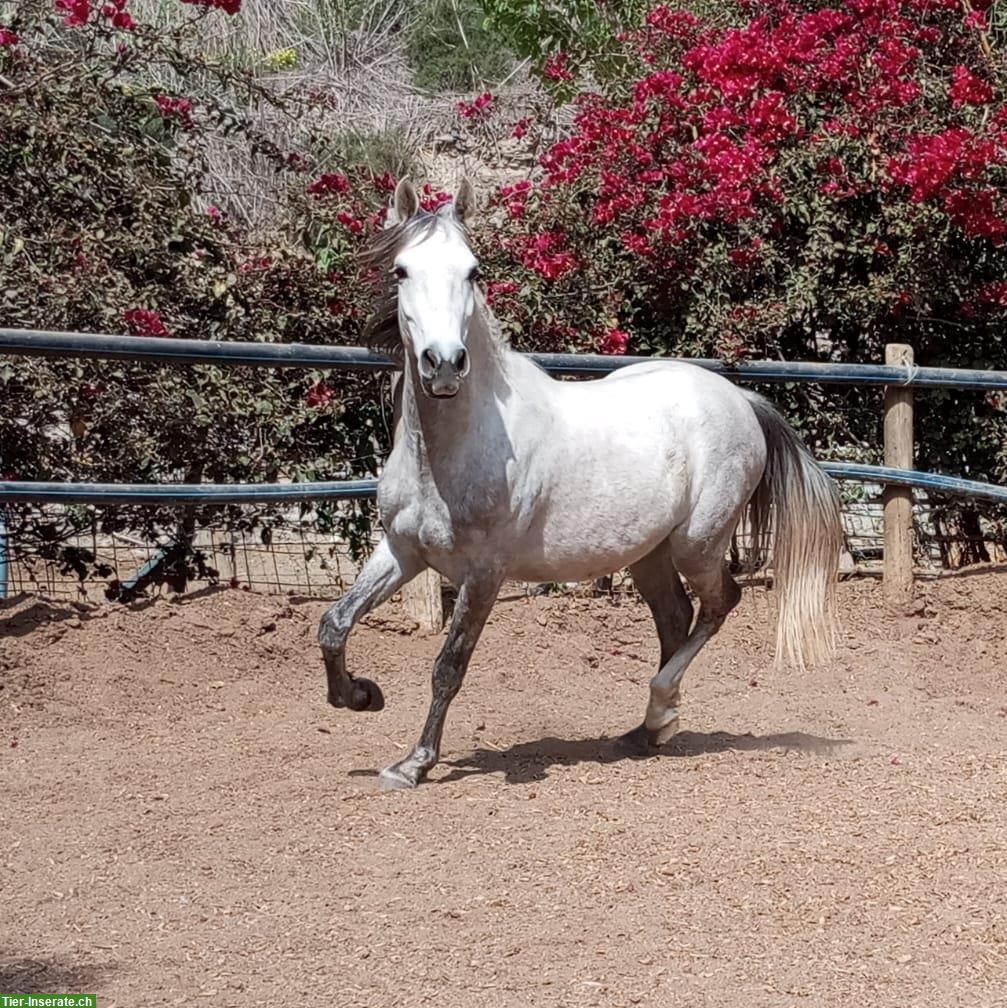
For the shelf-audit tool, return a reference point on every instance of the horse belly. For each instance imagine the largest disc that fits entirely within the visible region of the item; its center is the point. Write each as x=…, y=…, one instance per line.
x=596, y=529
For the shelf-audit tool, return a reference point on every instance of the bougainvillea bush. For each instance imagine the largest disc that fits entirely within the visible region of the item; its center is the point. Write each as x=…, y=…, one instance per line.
x=105, y=227
x=782, y=179
x=809, y=183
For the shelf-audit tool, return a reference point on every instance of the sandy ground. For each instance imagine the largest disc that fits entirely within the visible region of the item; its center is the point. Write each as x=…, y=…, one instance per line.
x=185, y=821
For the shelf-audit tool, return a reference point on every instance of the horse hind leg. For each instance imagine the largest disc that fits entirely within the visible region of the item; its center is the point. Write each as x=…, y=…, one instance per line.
x=718, y=594
x=656, y=579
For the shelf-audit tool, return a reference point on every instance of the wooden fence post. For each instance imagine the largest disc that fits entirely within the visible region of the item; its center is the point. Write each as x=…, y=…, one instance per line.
x=421, y=599
x=898, y=501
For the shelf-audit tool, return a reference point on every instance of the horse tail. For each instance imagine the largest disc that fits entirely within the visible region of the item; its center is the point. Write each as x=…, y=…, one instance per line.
x=802, y=502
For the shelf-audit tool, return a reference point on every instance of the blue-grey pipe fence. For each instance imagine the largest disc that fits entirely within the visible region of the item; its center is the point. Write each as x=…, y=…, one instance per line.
x=232, y=353
x=27, y=492
x=23, y=342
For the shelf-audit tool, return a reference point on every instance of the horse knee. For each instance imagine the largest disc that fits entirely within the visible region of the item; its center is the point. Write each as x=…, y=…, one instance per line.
x=332, y=628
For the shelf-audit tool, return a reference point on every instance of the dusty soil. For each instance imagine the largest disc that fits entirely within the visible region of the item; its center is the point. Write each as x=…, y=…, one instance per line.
x=184, y=820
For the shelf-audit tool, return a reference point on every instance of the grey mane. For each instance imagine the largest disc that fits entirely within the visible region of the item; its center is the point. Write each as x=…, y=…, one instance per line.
x=382, y=329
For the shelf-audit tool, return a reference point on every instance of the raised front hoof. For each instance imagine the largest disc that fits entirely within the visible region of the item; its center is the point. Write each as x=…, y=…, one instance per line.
x=365, y=695
x=394, y=778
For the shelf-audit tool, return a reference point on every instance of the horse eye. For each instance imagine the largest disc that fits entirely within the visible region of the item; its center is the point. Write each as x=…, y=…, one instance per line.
x=400, y=272
x=475, y=276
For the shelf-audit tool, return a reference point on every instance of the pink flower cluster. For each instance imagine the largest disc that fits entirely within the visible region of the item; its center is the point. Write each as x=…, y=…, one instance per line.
x=175, y=108
x=257, y=264
x=548, y=255
x=144, y=322
x=329, y=183
x=477, y=109
x=932, y=162
x=557, y=68
x=116, y=12
x=615, y=341
x=351, y=222
x=432, y=199
x=515, y=197
x=7, y=37
x=980, y=214
x=994, y=293
x=78, y=12
x=968, y=89
x=346, y=200
x=497, y=290
x=321, y=393
x=747, y=255
x=227, y=6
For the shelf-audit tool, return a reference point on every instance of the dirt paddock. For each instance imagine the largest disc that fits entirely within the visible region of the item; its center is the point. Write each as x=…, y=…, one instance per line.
x=185, y=821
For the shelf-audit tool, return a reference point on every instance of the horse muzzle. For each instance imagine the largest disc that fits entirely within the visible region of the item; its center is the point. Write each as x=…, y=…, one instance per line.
x=441, y=388
x=441, y=378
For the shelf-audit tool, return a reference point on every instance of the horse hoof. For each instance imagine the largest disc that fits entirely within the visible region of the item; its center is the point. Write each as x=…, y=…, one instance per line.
x=393, y=779
x=366, y=696
x=634, y=744
x=664, y=735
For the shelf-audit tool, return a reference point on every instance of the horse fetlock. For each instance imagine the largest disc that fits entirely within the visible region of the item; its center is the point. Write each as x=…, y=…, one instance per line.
x=661, y=721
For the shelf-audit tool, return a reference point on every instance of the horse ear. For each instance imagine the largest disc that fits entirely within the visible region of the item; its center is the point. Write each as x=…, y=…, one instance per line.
x=465, y=200
x=405, y=202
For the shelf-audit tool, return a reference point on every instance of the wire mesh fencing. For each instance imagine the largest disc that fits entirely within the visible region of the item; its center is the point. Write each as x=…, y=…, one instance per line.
x=297, y=557
x=81, y=560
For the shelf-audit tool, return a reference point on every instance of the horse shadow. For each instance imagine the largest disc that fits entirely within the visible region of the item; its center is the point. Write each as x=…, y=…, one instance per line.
x=42, y=976
x=527, y=762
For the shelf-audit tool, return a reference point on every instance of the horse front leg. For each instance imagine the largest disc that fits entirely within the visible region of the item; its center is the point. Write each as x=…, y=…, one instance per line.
x=475, y=600
x=383, y=574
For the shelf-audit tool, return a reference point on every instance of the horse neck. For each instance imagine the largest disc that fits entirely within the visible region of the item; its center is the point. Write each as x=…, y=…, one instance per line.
x=438, y=425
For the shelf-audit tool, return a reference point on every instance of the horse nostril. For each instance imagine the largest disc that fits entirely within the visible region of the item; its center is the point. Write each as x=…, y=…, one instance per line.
x=462, y=362
x=431, y=359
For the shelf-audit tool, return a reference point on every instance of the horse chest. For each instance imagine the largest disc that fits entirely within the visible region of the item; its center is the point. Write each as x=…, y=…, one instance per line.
x=442, y=524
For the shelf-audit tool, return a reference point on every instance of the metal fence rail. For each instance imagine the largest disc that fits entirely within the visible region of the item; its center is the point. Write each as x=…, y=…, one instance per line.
x=27, y=492
x=898, y=378
x=15, y=491
x=231, y=353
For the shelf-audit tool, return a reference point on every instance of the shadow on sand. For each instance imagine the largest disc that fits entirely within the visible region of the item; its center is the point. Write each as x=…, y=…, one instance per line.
x=46, y=976
x=531, y=761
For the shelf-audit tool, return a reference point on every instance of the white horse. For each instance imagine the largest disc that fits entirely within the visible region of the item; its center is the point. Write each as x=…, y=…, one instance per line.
x=499, y=471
